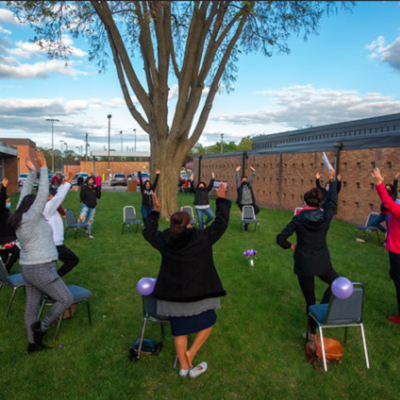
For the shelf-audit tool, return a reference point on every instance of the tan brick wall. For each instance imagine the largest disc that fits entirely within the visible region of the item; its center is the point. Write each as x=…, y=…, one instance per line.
x=282, y=179
x=11, y=173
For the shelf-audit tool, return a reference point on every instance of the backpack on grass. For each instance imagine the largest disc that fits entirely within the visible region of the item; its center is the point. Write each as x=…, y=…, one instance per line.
x=149, y=348
x=333, y=352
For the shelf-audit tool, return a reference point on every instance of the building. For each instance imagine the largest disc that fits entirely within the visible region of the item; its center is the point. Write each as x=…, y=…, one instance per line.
x=286, y=164
x=26, y=147
x=8, y=166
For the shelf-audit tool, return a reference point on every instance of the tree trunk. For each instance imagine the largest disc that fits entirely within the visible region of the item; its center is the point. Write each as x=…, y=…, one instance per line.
x=167, y=156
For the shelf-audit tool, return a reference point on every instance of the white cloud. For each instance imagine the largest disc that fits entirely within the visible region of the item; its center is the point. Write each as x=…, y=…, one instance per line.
x=389, y=54
x=5, y=31
x=174, y=91
x=297, y=106
x=7, y=16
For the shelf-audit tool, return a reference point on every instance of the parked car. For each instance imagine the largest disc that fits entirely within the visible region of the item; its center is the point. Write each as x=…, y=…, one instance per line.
x=118, y=179
x=21, y=179
x=145, y=177
x=84, y=175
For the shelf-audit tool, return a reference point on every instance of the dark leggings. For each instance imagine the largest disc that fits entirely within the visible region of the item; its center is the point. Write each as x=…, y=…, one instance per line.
x=9, y=262
x=307, y=287
x=395, y=273
x=68, y=257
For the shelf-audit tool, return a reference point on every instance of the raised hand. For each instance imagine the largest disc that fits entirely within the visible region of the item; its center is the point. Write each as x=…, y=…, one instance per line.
x=379, y=178
x=238, y=168
x=156, y=202
x=252, y=169
x=397, y=176
x=4, y=182
x=339, y=177
x=212, y=175
x=40, y=159
x=331, y=174
x=192, y=177
x=70, y=176
x=317, y=175
x=29, y=163
x=221, y=191
x=158, y=172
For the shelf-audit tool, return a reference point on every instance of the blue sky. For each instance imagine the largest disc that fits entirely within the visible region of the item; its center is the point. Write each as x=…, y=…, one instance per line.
x=349, y=71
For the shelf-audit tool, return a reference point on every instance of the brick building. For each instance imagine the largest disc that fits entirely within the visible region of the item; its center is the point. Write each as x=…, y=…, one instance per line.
x=9, y=166
x=25, y=148
x=286, y=164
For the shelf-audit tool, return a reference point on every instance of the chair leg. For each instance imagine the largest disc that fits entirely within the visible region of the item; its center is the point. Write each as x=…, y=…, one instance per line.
x=345, y=335
x=258, y=226
x=137, y=228
x=369, y=235
x=323, y=348
x=364, y=344
x=41, y=308
x=128, y=228
x=58, y=326
x=76, y=234
x=10, y=302
x=88, y=312
x=141, y=337
x=175, y=360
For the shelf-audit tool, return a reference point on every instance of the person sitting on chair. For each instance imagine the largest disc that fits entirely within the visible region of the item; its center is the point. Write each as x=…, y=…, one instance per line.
x=245, y=192
x=188, y=288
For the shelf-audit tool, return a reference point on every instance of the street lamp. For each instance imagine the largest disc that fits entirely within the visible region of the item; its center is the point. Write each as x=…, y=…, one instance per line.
x=87, y=144
x=122, y=141
x=66, y=144
x=79, y=148
x=135, y=137
x=222, y=141
x=109, y=140
x=62, y=146
x=52, y=140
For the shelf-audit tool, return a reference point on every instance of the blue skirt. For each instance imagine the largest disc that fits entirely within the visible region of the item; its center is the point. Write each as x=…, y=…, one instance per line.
x=181, y=326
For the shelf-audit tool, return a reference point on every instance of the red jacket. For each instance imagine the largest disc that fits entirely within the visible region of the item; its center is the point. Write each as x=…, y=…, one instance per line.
x=393, y=235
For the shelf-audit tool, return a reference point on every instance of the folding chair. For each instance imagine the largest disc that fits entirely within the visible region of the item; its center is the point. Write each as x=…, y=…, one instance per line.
x=79, y=294
x=340, y=313
x=189, y=210
x=368, y=227
x=249, y=217
x=150, y=314
x=72, y=223
x=12, y=281
x=129, y=218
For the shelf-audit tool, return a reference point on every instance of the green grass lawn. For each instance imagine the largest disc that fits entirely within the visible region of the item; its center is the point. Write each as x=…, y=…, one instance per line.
x=255, y=350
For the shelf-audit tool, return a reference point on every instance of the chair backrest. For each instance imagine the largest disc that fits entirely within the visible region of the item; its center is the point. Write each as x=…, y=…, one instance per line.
x=248, y=212
x=129, y=213
x=371, y=217
x=4, y=274
x=70, y=217
x=346, y=311
x=189, y=210
x=150, y=308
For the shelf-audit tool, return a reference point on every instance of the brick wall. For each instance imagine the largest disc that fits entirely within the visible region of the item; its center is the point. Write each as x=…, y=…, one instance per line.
x=282, y=179
x=25, y=148
x=11, y=173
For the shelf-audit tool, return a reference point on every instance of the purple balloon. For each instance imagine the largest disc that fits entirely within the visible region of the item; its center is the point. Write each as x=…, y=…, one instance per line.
x=342, y=288
x=146, y=286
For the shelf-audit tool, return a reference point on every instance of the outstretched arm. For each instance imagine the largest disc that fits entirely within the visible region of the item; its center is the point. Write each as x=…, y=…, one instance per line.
x=29, y=181
x=331, y=200
x=156, y=180
x=211, y=184
x=387, y=201
x=252, y=176
x=151, y=232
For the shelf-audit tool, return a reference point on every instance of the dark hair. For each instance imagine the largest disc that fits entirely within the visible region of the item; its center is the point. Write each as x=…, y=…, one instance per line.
x=145, y=183
x=201, y=183
x=52, y=191
x=313, y=197
x=179, y=221
x=390, y=186
x=14, y=220
x=89, y=178
x=7, y=196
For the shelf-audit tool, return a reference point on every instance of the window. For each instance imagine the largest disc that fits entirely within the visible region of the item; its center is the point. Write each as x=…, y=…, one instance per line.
x=264, y=179
x=285, y=181
x=293, y=181
x=312, y=165
x=294, y=165
x=358, y=185
x=371, y=207
x=389, y=165
x=270, y=180
x=372, y=165
x=302, y=182
x=344, y=203
x=358, y=165
x=292, y=196
x=301, y=197
x=372, y=186
x=344, y=184
x=285, y=165
x=345, y=165
x=302, y=165
x=270, y=165
x=284, y=195
x=357, y=205
x=311, y=182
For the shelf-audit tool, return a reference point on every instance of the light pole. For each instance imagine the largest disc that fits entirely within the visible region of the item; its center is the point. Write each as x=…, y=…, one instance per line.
x=62, y=147
x=52, y=140
x=87, y=135
x=66, y=144
x=109, y=140
x=135, y=137
x=78, y=149
x=222, y=142
x=122, y=141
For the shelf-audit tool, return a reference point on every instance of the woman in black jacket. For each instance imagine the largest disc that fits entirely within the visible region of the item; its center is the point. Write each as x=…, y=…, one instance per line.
x=188, y=287
x=89, y=194
x=311, y=254
x=9, y=251
x=201, y=201
x=147, y=189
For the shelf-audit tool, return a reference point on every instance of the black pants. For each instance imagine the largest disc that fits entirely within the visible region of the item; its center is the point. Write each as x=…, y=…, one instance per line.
x=13, y=253
x=307, y=287
x=68, y=257
x=395, y=273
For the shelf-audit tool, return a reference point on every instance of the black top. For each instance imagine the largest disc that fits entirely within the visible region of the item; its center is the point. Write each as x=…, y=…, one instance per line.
x=187, y=271
x=201, y=194
x=90, y=194
x=7, y=234
x=147, y=198
x=339, y=186
x=393, y=195
x=311, y=257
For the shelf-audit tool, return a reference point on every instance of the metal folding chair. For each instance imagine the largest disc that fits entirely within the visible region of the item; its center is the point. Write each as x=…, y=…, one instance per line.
x=340, y=313
x=129, y=218
x=72, y=223
x=249, y=217
x=189, y=210
x=368, y=227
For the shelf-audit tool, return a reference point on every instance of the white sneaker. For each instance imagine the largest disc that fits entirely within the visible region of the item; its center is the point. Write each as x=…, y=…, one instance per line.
x=198, y=370
x=89, y=236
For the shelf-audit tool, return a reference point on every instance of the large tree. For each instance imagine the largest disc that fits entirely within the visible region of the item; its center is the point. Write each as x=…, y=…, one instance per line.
x=195, y=44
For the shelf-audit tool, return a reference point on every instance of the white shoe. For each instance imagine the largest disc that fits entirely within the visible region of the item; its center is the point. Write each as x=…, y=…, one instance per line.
x=198, y=370
x=89, y=236
x=184, y=373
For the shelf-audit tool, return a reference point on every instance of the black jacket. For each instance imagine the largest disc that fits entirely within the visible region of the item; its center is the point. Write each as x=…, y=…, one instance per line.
x=201, y=194
x=89, y=195
x=393, y=195
x=325, y=192
x=187, y=271
x=147, y=198
x=7, y=234
x=311, y=257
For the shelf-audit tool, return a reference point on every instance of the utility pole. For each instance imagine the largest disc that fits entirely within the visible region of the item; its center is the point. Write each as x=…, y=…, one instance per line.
x=122, y=141
x=109, y=142
x=222, y=142
x=135, y=137
x=52, y=140
x=86, y=145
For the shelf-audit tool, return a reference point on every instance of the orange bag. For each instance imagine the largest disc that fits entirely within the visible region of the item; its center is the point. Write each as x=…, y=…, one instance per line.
x=333, y=352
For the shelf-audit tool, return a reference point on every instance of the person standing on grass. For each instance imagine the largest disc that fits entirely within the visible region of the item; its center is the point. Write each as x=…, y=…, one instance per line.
x=38, y=256
x=311, y=254
x=147, y=189
x=52, y=216
x=201, y=200
x=188, y=287
x=393, y=235
x=385, y=213
x=9, y=250
x=89, y=194
x=245, y=191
